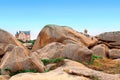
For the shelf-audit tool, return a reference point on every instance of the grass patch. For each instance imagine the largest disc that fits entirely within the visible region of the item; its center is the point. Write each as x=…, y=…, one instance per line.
x=22, y=71
x=94, y=57
x=94, y=77
x=53, y=60
x=19, y=71
x=105, y=65
x=47, y=70
x=0, y=71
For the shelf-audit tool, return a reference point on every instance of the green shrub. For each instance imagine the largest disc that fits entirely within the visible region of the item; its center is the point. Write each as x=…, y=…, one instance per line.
x=19, y=71
x=0, y=71
x=53, y=60
x=6, y=69
x=47, y=70
x=94, y=77
x=21, y=40
x=96, y=57
x=93, y=58
x=31, y=41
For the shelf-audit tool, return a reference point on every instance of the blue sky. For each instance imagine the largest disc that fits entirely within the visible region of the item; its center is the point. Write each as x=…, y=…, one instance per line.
x=96, y=16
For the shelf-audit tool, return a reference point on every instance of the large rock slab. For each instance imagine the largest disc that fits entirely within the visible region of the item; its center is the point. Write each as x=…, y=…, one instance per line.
x=62, y=34
x=71, y=70
x=113, y=38
x=70, y=51
x=17, y=59
x=6, y=39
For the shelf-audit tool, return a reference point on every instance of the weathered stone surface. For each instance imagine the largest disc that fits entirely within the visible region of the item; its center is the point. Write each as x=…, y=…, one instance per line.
x=113, y=38
x=52, y=76
x=17, y=59
x=114, y=53
x=77, y=52
x=52, y=50
x=71, y=51
x=6, y=39
x=4, y=77
x=2, y=47
x=100, y=50
x=71, y=70
x=9, y=47
x=62, y=34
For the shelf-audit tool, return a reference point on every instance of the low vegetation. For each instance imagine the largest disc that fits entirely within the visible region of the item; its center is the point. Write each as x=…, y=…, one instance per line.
x=31, y=41
x=20, y=71
x=104, y=64
x=53, y=60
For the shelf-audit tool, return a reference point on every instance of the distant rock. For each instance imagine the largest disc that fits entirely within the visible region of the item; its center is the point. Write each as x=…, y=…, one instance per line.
x=71, y=51
x=71, y=70
x=17, y=59
x=114, y=53
x=62, y=34
x=100, y=50
x=112, y=38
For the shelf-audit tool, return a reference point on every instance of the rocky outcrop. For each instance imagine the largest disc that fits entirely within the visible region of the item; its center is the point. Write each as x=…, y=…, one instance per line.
x=100, y=50
x=62, y=34
x=71, y=70
x=70, y=51
x=114, y=53
x=6, y=39
x=17, y=59
x=111, y=38
x=54, y=42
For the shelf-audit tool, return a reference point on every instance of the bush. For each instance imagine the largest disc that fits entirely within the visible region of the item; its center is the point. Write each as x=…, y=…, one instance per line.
x=31, y=41
x=94, y=57
x=53, y=60
x=21, y=40
x=0, y=71
x=19, y=71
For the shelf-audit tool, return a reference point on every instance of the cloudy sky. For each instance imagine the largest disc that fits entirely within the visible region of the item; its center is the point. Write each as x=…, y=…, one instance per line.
x=96, y=16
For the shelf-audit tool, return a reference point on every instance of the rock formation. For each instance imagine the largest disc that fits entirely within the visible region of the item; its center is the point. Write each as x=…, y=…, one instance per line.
x=56, y=41
x=112, y=38
x=70, y=51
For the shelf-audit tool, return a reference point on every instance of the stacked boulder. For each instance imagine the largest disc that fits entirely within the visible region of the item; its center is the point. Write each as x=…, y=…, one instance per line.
x=14, y=56
x=61, y=41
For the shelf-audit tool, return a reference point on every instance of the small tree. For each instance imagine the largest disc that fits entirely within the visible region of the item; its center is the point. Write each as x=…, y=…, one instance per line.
x=85, y=31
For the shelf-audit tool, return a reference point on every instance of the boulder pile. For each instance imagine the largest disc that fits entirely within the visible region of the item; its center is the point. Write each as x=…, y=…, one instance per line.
x=56, y=41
